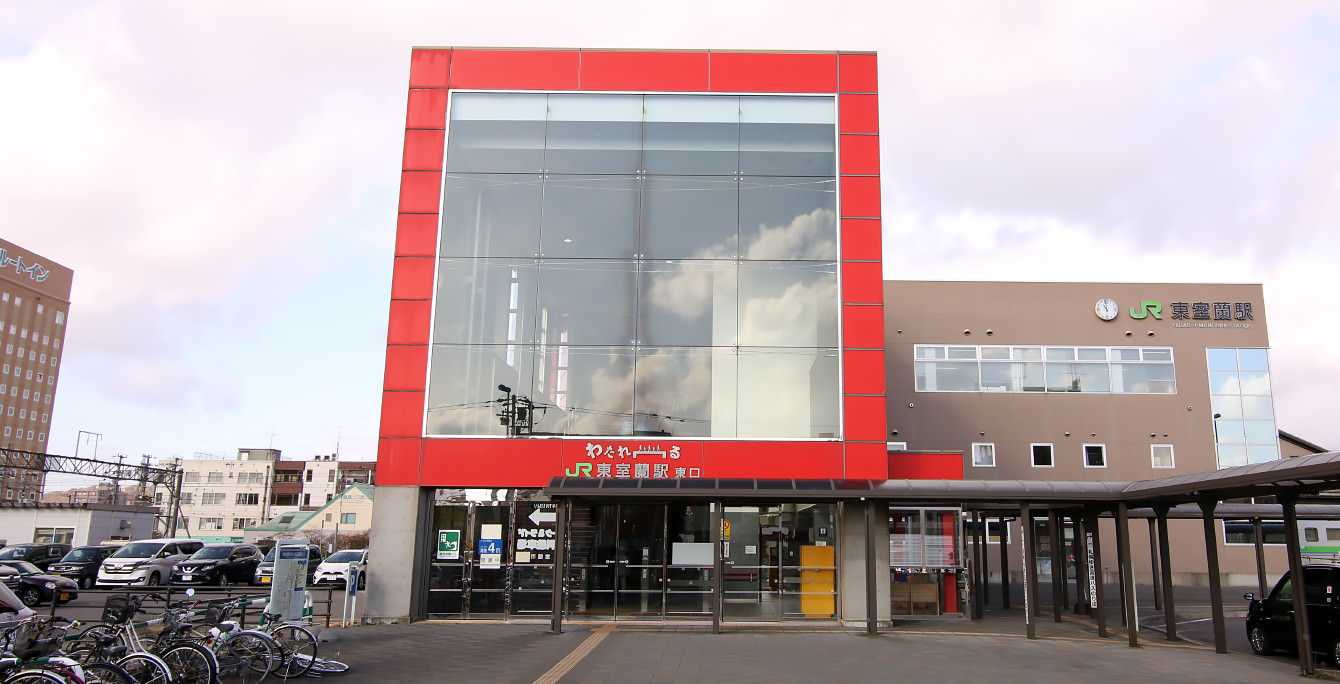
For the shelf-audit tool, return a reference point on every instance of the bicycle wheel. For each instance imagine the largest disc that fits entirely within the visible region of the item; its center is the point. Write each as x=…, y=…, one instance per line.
x=299, y=646
x=322, y=666
x=190, y=663
x=252, y=651
x=34, y=677
x=106, y=673
x=85, y=643
x=144, y=668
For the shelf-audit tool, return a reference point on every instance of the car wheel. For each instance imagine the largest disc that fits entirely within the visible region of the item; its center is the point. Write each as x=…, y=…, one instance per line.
x=152, y=581
x=30, y=596
x=225, y=580
x=86, y=583
x=1261, y=645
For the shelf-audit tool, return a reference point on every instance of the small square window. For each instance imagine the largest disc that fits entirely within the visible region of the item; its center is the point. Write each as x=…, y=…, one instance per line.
x=1095, y=456
x=984, y=455
x=1161, y=455
x=40, y=309
x=1042, y=456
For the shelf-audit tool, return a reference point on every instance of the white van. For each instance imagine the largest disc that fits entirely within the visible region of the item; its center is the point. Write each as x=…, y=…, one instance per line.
x=148, y=561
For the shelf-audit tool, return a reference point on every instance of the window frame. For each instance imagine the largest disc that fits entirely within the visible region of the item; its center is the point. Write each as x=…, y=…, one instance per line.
x=1153, y=457
x=1051, y=454
x=991, y=449
x=1102, y=450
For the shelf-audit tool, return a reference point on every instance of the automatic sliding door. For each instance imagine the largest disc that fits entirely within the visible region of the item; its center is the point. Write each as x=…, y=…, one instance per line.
x=641, y=561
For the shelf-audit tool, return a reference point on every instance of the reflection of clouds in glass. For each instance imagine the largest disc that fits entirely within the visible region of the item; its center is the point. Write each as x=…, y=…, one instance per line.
x=475, y=420
x=688, y=292
x=669, y=385
x=808, y=236
x=796, y=317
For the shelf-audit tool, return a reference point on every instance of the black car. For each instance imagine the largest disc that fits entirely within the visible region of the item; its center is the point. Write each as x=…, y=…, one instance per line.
x=220, y=564
x=33, y=586
x=81, y=564
x=41, y=555
x=1270, y=624
x=266, y=570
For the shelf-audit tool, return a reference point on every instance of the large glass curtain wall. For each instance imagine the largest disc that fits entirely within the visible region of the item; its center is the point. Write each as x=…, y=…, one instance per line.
x=620, y=265
x=1243, y=406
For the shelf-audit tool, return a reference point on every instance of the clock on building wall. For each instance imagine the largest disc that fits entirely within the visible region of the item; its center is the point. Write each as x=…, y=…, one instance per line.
x=1106, y=309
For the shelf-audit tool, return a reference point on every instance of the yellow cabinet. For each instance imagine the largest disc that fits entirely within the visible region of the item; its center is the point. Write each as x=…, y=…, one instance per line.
x=817, y=581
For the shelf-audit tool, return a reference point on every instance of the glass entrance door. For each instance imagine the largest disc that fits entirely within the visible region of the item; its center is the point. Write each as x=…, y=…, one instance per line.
x=780, y=562
x=470, y=574
x=617, y=562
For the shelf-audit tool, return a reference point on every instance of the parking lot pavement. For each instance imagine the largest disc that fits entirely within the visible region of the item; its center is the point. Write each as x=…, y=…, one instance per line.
x=946, y=651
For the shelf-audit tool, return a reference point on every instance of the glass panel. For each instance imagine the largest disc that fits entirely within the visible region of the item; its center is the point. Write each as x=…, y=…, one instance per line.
x=587, y=302
x=690, y=217
x=1221, y=359
x=677, y=389
x=1125, y=354
x=1143, y=378
x=687, y=303
x=589, y=216
x=788, y=218
x=946, y=376
x=1001, y=377
x=787, y=135
x=1224, y=383
x=788, y=304
x=584, y=391
x=1260, y=453
x=1060, y=354
x=485, y=215
x=691, y=134
x=1261, y=432
x=1255, y=382
x=788, y=393
x=1232, y=455
x=963, y=352
x=1077, y=377
x=1258, y=408
x=1028, y=353
x=485, y=301
x=590, y=133
x=463, y=386
x=1042, y=455
x=941, y=538
x=996, y=353
x=1162, y=354
x=1229, y=431
x=1092, y=354
x=905, y=542
x=689, y=575
x=1226, y=406
x=1254, y=359
x=593, y=568
x=496, y=132
x=923, y=352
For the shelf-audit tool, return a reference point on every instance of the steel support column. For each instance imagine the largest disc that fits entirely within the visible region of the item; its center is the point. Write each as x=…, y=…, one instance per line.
x=871, y=586
x=1165, y=564
x=1127, y=570
x=1259, y=540
x=1095, y=542
x=1057, y=562
x=1004, y=564
x=718, y=565
x=1082, y=597
x=1207, y=506
x=1154, y=563
x=1030, y=562
x=1302, y=631
x=560, y=565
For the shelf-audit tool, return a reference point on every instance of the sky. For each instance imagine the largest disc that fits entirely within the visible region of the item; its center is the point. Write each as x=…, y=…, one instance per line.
x=223, y=177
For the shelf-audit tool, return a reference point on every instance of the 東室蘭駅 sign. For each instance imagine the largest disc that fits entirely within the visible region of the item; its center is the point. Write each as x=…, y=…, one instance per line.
x=1204, y=314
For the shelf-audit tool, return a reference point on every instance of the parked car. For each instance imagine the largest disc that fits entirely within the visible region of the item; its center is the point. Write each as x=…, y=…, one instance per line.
x=82, y=562
x=41, y=555
x=33, y=586
x=1270, y=624
x=148, y=562
x=334, y=569
x=220, y=564
x=266, y=570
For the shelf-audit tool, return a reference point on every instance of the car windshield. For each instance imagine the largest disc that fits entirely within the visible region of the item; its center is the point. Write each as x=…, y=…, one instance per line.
x=15, y=552
x=270, y=555
x=24, y=567
x=212, y=553
x=138, y=550
x=345, y=557
x=82, y=555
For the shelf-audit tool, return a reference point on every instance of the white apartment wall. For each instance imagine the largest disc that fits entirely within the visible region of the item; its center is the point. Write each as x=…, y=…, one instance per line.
x=91, y=526
x=320, y=488
x=233, y=478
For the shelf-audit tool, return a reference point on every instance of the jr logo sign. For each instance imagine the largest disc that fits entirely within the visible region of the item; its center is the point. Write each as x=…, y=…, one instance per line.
x=1146, y=309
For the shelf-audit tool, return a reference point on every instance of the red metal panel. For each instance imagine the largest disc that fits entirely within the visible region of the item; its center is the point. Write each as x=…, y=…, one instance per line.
x=862, y=371
x=857, y=74
x=402, y=414
x=413, y=278
x=860, y=154
x=426, y=109
x=398, y=461
x=863, y=326
x=860, y=196
x=409, y=321
x=416, y=235
x=858, y=113
x=862, y=282
x=644, y=71
x=864, y=418
x=518, y=69
x=406, y=367
x=420, y=191
x=423, y=150
x=429, y=68
x=753, y=72
x=913, y=466
x=490, y=462
x=773, y=460
x=861, y=239
x=867, y=460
